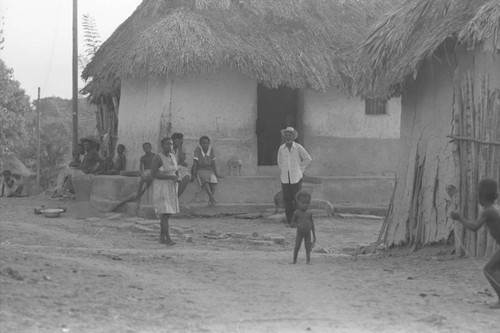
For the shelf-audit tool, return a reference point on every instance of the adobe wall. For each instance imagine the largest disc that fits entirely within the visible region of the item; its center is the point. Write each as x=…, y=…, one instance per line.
x=344, y=141
x=221, y=106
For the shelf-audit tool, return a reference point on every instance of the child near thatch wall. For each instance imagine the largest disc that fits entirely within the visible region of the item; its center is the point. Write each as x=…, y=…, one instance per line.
x=12, y=184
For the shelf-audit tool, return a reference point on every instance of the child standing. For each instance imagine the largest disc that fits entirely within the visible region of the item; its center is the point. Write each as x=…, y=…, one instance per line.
x=302, y=219
x=487, y=192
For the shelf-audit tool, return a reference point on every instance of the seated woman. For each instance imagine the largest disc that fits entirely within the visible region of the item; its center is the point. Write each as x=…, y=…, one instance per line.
x=204, y=168
x=12, y=184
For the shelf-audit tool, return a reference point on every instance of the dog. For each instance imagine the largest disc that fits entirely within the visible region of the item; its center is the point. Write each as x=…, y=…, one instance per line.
x=279, y=201
x=327, y=206
x=234, y=164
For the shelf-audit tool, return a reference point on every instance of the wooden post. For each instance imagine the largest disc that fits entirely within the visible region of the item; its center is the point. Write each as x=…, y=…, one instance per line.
x=38, y=150
x=75, y=74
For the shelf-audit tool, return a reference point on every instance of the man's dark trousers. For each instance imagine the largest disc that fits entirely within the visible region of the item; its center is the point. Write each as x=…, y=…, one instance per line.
x=289, y=192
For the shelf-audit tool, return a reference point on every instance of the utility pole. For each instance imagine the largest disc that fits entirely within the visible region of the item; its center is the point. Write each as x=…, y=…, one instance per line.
x=38, y=107
x=75, y=74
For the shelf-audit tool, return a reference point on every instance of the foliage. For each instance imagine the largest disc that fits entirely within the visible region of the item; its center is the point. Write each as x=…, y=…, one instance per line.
x=92, y=40
x=18, y=127
x=14, y=104
x=55, y=136
x=2, y=38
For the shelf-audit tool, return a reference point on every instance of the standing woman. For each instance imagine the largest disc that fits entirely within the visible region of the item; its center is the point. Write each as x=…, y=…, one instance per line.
x=163, y=170
x=204, y=168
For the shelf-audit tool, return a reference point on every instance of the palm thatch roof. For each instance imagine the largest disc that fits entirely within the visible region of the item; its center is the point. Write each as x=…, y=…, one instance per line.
x=12, y=163
x=396, y=46
x=297, y=43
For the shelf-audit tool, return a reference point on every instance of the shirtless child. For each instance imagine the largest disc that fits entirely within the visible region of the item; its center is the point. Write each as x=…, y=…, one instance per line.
x=302, y=219
x=487, y=193
x=145, y=163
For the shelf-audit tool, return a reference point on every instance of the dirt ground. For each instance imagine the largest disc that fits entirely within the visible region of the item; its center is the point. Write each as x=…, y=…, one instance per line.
x=111, y=275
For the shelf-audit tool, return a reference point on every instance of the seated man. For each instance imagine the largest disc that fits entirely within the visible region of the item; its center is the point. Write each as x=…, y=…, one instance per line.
x=120, y=162
x=12, y=184
x=89, y=165
x=65, y=173
x=91, y=160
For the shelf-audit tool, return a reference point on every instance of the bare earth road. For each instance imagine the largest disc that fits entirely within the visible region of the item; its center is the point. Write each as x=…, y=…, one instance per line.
x=111, y=275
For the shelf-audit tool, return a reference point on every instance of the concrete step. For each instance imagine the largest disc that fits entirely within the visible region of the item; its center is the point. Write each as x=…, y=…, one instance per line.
x=356, y=195
x=361, y=210
x=202, y=210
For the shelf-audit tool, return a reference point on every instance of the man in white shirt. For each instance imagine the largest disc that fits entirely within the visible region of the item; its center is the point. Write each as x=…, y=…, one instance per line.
x=292, y=161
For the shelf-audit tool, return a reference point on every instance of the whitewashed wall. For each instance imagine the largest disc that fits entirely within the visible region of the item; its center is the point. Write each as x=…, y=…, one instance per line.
x=221, y=106
x=344, y=141
x=341, y=138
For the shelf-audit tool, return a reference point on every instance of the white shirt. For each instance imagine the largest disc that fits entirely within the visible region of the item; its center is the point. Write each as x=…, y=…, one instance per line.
x=292, y=162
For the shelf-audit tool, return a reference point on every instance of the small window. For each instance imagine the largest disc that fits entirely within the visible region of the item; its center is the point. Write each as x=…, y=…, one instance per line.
x=375, y=106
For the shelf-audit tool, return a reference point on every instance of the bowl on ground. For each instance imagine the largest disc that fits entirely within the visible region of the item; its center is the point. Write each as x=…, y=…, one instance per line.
x=52, y=212
x=38, y=210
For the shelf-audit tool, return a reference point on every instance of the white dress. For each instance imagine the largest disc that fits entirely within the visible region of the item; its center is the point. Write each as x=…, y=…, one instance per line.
x=165, y=190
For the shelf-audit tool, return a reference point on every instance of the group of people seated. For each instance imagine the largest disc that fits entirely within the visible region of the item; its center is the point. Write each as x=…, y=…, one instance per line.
x=87, y=160
x=204, y=168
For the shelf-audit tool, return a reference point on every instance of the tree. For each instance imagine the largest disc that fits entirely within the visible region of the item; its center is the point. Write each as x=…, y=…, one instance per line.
x=2, y=38
x=92, y=40
x=14, y=105
x=55, y=136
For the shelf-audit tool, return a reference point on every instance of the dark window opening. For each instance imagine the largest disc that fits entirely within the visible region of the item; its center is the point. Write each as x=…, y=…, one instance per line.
x=375, y=106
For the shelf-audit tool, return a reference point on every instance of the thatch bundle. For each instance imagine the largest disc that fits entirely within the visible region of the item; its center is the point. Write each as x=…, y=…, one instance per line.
x=297, y=43
x=12, y=163
x=395, y=47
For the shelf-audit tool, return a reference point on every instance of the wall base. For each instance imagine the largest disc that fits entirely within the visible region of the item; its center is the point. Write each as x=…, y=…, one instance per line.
x=239, y=195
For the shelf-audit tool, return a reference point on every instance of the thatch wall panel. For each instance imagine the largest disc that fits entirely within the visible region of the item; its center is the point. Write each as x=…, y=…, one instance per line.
x=427, y=120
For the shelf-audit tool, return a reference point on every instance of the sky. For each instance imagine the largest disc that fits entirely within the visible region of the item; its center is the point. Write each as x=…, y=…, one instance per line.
x=38, y=39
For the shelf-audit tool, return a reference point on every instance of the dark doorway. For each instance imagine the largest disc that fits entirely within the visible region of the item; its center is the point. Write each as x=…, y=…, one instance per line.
x=276, y=109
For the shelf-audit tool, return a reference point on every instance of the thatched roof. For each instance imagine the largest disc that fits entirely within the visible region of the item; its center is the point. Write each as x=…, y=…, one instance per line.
x=395, y=47
x=12, y=163
x=297, y=43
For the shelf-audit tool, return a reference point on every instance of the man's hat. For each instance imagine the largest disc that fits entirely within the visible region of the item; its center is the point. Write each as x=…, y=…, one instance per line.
x=89, y=138
x=290, y=130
